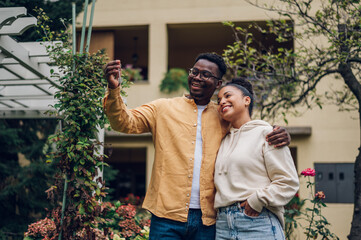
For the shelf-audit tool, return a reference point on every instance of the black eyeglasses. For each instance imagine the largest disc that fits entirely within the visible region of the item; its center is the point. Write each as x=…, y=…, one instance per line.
x=204, y=74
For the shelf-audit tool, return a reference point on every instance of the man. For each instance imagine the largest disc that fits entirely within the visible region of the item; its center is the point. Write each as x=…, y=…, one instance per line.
x=187, y=132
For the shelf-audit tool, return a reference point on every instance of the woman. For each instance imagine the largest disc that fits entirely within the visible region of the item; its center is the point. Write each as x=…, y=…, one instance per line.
x=253, y=179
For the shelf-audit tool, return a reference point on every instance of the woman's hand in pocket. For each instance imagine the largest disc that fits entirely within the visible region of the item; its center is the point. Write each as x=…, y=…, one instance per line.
x=248, y=210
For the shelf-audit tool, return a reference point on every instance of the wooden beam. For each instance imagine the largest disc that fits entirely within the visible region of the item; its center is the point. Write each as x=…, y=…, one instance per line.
x=26, y=97
x=11, y=48
x=19, y=26
x=21, y=82
x=9, y=14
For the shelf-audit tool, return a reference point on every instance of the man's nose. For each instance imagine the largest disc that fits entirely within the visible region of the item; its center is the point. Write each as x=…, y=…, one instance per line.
x=199, y=76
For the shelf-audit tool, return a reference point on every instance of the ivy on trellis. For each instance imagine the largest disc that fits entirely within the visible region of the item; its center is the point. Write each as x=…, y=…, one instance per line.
x=75, y=148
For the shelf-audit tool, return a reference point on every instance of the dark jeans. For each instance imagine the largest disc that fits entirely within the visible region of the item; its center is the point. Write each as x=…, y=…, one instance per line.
x=163, y=229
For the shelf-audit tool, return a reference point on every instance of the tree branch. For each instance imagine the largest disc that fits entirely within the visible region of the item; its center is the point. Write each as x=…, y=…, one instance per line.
x=356, y=60
x=350, y=80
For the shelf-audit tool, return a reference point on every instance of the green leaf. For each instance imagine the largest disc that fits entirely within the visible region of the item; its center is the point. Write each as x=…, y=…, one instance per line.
x=102, y=164
x=81, y=209
x=316, y=210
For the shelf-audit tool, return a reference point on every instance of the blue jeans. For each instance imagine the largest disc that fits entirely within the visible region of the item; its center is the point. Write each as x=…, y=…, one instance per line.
x=233, y=223
x=166, y=229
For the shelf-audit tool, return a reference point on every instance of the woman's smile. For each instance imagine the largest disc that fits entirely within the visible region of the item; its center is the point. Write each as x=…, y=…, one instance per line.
x=225, y=108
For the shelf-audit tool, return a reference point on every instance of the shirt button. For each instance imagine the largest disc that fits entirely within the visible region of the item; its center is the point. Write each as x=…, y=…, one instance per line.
x=193, y=142
x=195, y=110
x=195, y=124
x=187, y=194
x=190, y=159
x=189, y=176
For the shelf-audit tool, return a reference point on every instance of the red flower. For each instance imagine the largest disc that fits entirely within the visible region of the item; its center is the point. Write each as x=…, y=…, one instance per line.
x=308, y=172
x=320, y=195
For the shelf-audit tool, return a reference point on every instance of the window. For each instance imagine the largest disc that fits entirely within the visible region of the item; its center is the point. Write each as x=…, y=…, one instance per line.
x=186, y=41
x=130, y=164
x=131, y=47
x=129, y=44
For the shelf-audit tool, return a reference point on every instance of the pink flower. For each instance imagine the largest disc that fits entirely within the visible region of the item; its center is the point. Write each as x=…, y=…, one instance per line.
x=308, y=172
x=320, y=195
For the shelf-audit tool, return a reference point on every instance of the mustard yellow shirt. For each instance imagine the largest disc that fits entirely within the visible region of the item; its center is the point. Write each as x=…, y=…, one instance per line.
x=173, y=124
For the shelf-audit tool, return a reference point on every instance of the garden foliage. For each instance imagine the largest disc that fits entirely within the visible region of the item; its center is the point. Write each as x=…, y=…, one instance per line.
x=74, y=149
x=23, y=174
x=174, y=79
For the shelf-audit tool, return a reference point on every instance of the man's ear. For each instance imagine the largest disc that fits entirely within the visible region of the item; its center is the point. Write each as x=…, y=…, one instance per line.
x=219, y=84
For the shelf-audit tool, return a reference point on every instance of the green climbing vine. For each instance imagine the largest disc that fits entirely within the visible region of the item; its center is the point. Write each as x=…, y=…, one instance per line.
x=74, y=149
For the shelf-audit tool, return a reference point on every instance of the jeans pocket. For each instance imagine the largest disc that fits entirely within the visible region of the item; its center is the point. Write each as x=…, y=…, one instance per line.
x=260, y=215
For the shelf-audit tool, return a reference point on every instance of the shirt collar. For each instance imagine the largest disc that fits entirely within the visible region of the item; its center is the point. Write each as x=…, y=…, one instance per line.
x=188, y=99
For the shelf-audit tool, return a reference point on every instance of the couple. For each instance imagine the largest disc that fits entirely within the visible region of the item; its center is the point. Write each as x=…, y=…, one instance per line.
x=247, y=187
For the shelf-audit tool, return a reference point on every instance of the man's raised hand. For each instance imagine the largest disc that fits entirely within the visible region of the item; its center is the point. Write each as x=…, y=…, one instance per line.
x=112, y=72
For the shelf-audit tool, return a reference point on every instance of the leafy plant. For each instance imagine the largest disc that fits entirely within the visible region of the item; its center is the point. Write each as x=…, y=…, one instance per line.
x=316, y=225
x=115, y=221
x=43, y=228
x=292, y=211
x=131, y=74
x=173, y=80
x=75, y=148
x=23, y=174
x=124, y=221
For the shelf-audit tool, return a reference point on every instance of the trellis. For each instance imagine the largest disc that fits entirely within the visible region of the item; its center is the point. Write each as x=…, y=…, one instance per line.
x=25, y=80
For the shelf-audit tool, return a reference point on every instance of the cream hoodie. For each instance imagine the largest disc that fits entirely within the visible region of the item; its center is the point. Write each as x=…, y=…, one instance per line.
x=248, y=168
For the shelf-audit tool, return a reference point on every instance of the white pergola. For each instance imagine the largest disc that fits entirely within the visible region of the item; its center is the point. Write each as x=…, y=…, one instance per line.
x=26, y=85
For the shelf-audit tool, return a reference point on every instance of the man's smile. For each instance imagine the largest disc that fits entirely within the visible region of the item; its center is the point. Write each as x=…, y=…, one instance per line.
x=196, y=85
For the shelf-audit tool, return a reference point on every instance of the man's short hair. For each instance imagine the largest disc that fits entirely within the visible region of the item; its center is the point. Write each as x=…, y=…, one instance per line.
x=214, y=58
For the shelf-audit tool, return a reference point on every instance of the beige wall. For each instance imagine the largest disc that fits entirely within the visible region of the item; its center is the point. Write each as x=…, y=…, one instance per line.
x=335, y=135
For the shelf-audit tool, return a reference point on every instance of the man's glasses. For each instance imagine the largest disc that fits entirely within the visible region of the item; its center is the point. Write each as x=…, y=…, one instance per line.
x=203, y=74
